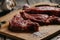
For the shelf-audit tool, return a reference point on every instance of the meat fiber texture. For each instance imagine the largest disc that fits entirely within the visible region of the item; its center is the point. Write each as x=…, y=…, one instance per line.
x=48, y=14
x=29, y=19
x=21, y=24
x=44, y=10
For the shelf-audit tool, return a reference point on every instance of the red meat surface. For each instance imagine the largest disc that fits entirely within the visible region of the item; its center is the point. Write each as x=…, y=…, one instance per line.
x=44, y=10
x=29, y=19
x=19, y=24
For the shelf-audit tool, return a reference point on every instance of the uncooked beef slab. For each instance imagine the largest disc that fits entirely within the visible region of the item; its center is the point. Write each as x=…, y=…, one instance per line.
x=29, y=19
x=53, y=20
x=39, y=18
x=19, y=24
x=44, y=10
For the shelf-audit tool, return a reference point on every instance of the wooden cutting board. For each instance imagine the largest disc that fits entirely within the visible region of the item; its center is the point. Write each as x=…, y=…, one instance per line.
x=26, y=36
